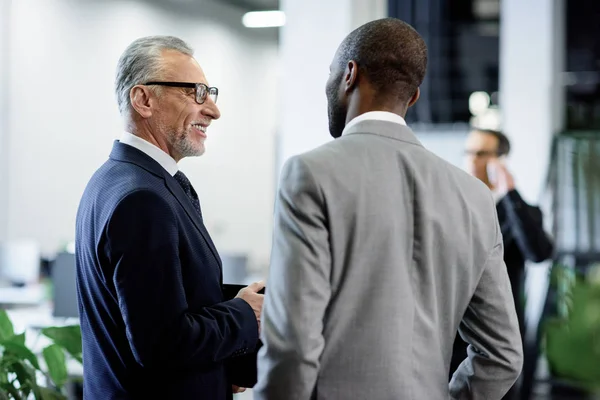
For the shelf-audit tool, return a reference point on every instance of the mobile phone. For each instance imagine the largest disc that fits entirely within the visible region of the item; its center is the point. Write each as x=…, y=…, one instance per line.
x=230, y=290
x=492, y=173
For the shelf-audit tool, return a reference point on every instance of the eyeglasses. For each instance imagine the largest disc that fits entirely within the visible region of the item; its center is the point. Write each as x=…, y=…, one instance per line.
x=481, y=153
x=202, y=91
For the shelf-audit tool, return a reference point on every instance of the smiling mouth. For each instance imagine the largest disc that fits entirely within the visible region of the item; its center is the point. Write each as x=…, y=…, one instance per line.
x=200, y=127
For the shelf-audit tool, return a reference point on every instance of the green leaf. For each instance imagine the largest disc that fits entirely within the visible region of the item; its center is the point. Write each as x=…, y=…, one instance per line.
x=57, y=364
x=49, y=394
x=19, y=338
x=10, y=389
x=14, y=347
x=572, y=346
x=3, y=394
x=6, y=327
x=68, y=337
x=25, y=376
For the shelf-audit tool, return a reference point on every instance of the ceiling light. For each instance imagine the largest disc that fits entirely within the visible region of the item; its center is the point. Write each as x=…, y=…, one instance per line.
x=263, y=19
x=479, y=102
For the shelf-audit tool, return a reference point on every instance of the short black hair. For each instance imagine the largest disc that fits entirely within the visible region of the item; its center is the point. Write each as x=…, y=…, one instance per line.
x=503, y=142
x=390, y=52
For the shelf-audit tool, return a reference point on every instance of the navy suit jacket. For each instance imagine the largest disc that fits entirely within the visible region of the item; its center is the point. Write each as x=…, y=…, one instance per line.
x=153, y=318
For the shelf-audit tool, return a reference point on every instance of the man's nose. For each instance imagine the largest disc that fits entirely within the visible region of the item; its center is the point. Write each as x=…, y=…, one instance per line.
x=211, y=109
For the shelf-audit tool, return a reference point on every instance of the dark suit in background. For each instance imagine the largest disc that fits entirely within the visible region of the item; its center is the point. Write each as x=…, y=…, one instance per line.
x=524, y=240
x=153, y=319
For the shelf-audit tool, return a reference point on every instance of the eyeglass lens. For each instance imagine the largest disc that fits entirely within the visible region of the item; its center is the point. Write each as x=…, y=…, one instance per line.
x=202, y=91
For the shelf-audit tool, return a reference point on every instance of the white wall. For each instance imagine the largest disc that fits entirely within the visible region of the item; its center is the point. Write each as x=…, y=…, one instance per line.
x=313, y=31
x=531, y=91
x=445, y=142
x=4, y=26
x=63, y=116
x=532, y=37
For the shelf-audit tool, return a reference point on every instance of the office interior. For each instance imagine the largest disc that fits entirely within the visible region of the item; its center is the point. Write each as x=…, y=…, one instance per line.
x=529, y=68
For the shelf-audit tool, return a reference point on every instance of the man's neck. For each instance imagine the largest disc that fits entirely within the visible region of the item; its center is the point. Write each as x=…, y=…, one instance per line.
x=157, y=140
x=360, y=107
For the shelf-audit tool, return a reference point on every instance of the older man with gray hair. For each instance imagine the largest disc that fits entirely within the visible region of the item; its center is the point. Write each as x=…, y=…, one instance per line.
x=154, y=321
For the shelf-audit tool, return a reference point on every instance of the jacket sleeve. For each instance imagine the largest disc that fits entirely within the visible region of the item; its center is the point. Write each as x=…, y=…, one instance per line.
x=526, y=223
x=490, y=327
x=299, y=289
x=142, y=242
x=241, y=371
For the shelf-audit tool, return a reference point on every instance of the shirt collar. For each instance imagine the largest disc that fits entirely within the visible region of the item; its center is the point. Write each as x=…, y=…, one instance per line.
x=375, y=116
x=158, y=155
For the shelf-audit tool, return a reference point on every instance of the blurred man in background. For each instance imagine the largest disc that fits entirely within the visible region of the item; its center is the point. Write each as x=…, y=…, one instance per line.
x=521, y=224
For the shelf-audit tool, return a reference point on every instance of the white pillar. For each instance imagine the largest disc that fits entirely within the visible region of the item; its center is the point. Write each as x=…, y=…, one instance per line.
x=308, y=41
x=531, y=93
x=4, y=29
x=532, y=46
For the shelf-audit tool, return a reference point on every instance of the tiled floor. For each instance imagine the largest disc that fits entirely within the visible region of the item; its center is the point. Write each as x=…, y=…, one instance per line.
x=542, y=392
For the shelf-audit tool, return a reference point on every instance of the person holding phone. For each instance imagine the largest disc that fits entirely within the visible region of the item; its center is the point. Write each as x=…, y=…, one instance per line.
x=521, y=224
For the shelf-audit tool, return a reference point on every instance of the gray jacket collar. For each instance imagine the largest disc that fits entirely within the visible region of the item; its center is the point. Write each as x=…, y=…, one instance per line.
x=387, y=129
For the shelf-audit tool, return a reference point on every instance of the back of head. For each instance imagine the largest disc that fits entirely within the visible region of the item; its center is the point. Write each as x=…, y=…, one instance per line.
x=390, y=53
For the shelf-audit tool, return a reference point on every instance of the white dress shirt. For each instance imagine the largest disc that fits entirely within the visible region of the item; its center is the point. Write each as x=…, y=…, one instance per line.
x=375, y=116
x=165, y=160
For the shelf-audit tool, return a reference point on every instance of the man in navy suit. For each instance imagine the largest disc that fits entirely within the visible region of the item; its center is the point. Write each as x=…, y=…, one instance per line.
x=154, y=321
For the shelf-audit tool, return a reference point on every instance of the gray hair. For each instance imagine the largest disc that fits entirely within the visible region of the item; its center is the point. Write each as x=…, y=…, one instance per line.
x=142, y=62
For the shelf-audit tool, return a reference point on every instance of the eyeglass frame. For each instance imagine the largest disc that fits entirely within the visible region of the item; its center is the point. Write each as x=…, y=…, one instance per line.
x=482, y=153
x=191, y=85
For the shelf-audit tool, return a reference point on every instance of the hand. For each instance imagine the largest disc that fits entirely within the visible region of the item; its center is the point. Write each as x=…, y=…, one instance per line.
x=251, y=296
x=237, y=389
x=502, y=181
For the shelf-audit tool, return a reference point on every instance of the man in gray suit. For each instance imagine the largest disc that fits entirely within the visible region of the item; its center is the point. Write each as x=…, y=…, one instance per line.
x=382, y=251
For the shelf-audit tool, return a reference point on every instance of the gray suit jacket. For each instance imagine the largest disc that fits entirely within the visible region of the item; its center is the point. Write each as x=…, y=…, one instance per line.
x=381, y=252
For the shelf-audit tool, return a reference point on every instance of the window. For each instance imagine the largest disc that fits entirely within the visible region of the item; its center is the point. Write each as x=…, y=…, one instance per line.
x=583, y=65
x=463, y=41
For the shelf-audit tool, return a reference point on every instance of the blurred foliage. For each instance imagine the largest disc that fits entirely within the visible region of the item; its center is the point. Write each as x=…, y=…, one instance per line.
x=20, y=368
x=572, y=337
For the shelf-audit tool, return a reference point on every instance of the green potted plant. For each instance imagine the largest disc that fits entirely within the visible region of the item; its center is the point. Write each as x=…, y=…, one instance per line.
x=572, y=337
x=20, y=367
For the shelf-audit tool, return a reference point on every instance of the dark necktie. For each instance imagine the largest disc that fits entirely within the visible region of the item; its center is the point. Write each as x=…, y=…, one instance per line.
x=187, y=187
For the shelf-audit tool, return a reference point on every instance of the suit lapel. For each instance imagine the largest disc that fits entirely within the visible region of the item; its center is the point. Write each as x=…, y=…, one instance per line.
x=125, y=153
x=185, y=202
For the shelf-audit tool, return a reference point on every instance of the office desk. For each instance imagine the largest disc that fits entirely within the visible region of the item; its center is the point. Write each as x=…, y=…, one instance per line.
x=19, y=297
